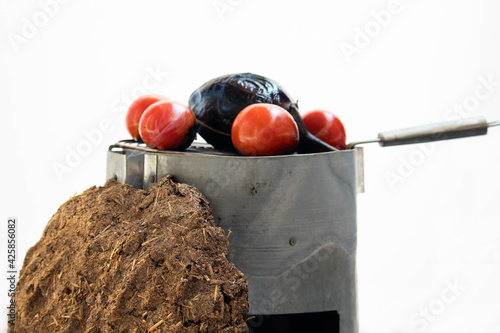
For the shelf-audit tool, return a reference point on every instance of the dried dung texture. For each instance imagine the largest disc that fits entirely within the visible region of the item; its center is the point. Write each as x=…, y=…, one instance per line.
x=118, y=259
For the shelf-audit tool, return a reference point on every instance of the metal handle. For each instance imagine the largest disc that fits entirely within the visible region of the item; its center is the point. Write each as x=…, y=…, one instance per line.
x=435, y=132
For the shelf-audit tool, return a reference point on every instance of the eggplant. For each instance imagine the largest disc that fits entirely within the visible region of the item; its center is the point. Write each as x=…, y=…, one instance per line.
x=217, y=103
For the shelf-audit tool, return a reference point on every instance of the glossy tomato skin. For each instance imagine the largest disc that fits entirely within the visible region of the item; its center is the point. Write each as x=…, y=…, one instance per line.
x=136, y=110
x=264, y=129
x=326, y=126
x=168, y=125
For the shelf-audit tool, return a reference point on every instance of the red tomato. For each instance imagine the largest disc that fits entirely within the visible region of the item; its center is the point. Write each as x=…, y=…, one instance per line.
x=264, y=129
x=326, y=126
x=168, y=125
x=136, y=110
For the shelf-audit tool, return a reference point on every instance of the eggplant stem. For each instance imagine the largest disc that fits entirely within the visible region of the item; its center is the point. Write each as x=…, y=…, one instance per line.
x=211, y=128
x=317, y=143
x=306, y=138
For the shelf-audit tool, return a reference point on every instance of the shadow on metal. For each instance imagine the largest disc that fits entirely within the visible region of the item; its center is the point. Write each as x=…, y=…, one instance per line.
x=318, y=322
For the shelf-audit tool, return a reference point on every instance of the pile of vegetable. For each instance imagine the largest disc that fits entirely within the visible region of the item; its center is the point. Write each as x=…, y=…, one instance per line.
x=245, y=112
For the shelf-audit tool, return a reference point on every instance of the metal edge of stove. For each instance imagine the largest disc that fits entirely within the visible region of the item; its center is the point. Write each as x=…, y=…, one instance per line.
x=126, y=147
x=360, y=169
x=125, y=165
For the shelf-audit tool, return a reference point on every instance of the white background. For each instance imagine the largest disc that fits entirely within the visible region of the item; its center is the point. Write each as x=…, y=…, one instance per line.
x=63, y=74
